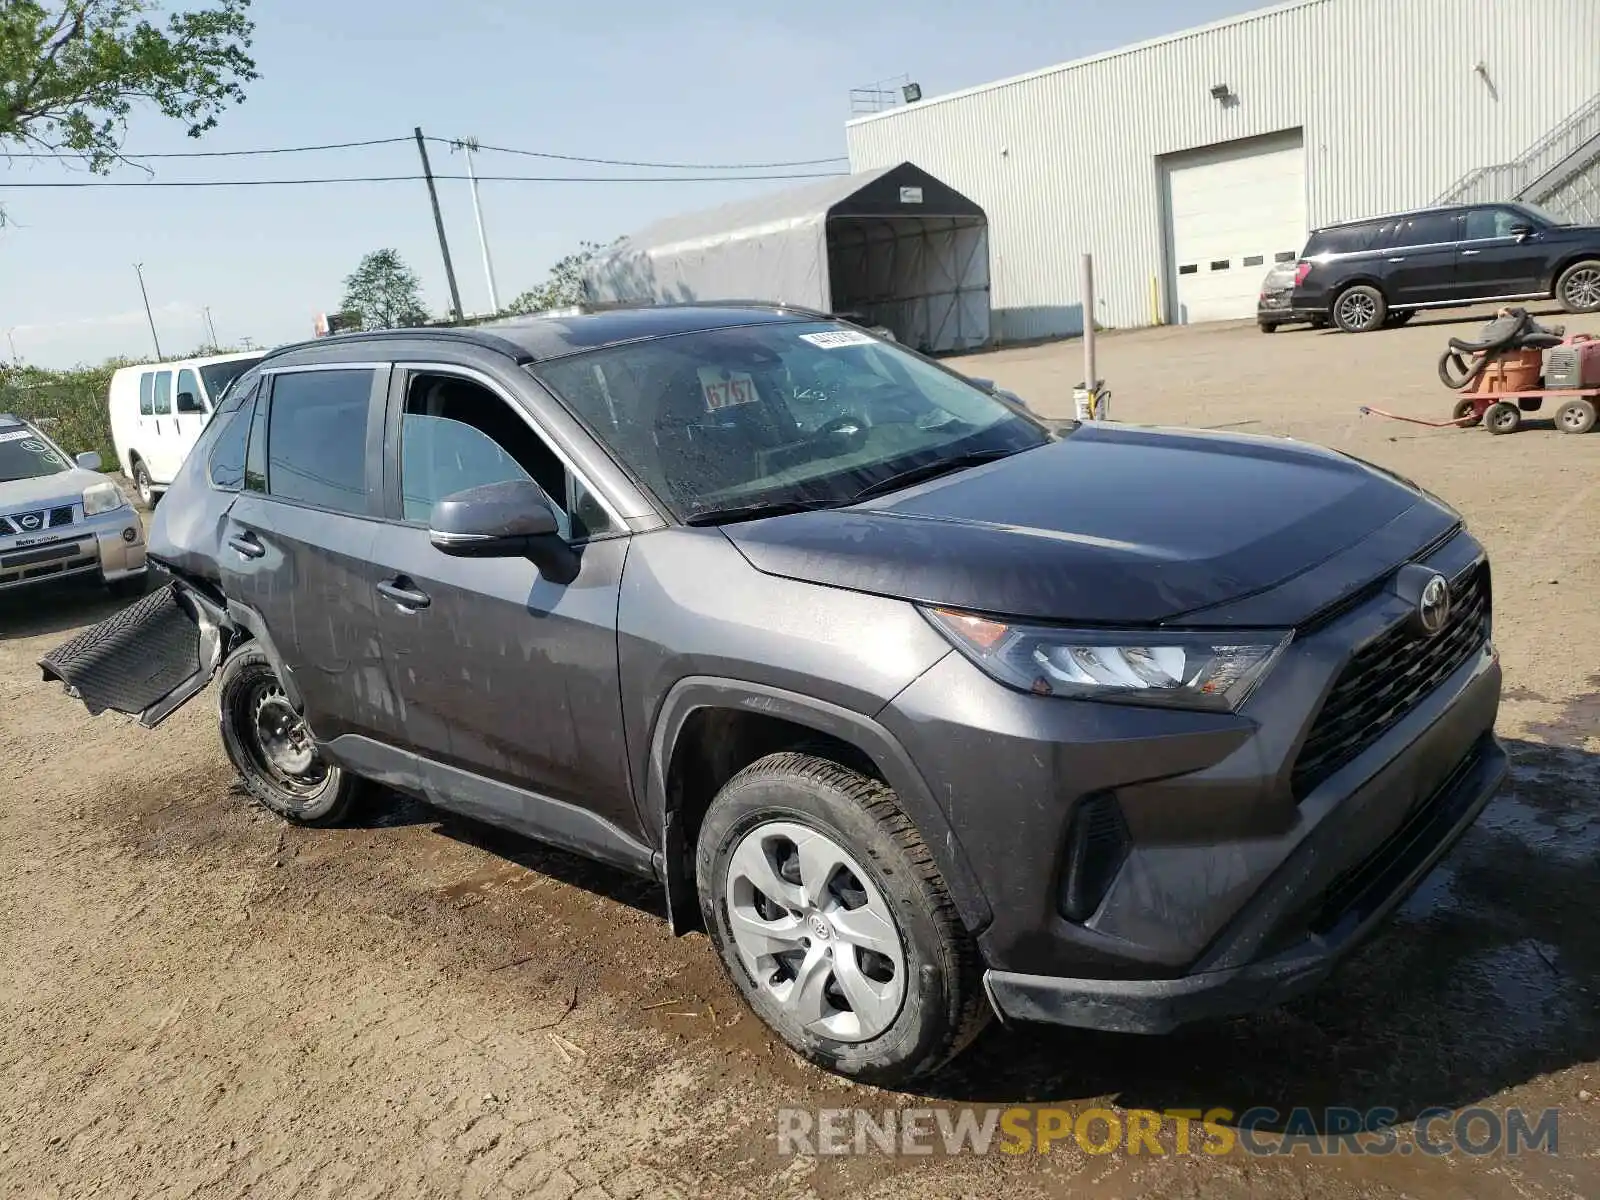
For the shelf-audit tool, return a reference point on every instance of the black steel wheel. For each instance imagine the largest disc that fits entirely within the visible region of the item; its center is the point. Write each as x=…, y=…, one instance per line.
x=272, y=747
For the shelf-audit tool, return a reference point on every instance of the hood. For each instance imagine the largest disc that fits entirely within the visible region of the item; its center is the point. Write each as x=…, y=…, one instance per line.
x=1110, y=526
x=61, y=488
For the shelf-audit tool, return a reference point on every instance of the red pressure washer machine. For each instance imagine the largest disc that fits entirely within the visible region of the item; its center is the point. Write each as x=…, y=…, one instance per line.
x=1513, y=368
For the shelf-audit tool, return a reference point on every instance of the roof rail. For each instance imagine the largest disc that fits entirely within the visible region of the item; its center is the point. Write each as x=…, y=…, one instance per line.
x=473, y=334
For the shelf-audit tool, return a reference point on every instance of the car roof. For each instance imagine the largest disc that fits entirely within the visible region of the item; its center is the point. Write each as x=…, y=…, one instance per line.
x=1415, y=212
x=540, y=338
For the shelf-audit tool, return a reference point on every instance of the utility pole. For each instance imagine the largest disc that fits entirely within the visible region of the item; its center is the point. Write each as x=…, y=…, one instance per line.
x=248, y=343
x=11, y=339
x=211, y=327
x=138, y=269
x=438, y=223
x=468, y=145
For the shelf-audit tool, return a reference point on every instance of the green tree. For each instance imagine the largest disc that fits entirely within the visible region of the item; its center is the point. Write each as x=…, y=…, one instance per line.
x=384, y=293
x=72, y=70
x=565, y=285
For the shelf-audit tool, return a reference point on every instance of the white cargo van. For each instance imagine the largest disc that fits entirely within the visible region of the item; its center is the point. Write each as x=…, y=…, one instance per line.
x=159, y=409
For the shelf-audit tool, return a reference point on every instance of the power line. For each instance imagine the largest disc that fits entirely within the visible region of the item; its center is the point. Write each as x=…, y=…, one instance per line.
x=66, y=154
x=225, y=183
x=664, y=166
x=578, y=158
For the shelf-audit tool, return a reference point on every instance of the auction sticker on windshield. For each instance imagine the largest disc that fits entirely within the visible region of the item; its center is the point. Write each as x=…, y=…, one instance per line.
x=19, y=435
x=835, y=338
x=724, y=389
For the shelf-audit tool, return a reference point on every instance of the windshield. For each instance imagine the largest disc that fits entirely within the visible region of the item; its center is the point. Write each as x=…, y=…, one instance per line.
x=218, y=376
x=26, y=455
x=781, y=413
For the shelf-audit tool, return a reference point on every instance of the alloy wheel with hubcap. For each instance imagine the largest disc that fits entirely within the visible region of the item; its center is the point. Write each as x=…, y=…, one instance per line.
x=814, y=932
x=1359, y=309
x=1580, y=288
x=144, y=484
x=833, y=922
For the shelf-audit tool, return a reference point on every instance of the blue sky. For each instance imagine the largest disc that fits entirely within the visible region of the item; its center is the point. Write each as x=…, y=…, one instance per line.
x=718, y=81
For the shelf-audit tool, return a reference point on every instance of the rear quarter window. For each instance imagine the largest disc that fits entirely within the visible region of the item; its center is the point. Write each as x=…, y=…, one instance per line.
x=1346, y=239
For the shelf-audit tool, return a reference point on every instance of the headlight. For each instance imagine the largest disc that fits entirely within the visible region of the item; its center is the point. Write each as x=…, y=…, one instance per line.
x=1176, y=669
x=102, y=497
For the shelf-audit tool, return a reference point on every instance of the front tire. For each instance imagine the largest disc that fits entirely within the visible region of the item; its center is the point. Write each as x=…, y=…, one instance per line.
x=1360, y=309
x=148, y=496
x=271, y=747
x=833, y=922
x=1578, y=289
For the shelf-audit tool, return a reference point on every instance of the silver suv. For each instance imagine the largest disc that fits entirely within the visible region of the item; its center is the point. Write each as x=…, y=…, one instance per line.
x=62, y=518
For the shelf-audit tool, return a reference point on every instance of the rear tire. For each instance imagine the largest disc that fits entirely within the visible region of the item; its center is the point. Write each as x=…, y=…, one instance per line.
x=1502, y=417
x=1268, y=326
x=1577, y=416
x=1360, y=309
x=271, y=747
x=802, y=863
x=1578, y=289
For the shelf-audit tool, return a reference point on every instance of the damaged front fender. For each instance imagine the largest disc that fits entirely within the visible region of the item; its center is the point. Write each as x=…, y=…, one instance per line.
x=147, y=660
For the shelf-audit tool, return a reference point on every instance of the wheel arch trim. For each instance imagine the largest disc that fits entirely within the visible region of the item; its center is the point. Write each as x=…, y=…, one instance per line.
x=696, y=692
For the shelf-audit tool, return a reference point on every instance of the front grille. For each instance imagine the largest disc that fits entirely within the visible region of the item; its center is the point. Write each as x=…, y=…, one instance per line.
x=1388, y=678
x=36, y=521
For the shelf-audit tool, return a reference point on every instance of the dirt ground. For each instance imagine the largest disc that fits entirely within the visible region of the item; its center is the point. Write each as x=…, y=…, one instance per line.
x=196, y=1000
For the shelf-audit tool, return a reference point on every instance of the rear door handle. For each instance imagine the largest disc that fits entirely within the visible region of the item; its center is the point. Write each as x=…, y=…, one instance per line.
x=1401, y=258
x=1464, y=253
x=247, y=545
x=402, y=593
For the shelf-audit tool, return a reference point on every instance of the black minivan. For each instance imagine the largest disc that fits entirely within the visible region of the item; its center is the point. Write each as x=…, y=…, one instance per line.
x=1363, y=275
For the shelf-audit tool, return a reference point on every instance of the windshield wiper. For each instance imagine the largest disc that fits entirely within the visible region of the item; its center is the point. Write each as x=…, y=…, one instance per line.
x=751, y=512
x=945, y=466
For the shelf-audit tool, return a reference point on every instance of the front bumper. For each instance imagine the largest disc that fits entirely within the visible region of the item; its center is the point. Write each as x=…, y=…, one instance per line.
x=1370, y=892
x=99, y=545
x=1233, y=873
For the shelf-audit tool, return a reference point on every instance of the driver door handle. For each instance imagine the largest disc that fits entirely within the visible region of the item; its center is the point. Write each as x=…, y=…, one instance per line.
x=403, y=593
x=247, y=545
x=1464, y=253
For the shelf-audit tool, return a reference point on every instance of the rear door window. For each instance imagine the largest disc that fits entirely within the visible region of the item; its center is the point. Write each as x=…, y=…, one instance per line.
x=1428, y=229
x=317, y=438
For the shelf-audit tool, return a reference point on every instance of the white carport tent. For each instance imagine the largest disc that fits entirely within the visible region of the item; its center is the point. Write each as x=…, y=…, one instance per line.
x=893, y=247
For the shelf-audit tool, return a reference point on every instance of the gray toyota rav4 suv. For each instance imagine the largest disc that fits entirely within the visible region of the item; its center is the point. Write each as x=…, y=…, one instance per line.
x=921, y=706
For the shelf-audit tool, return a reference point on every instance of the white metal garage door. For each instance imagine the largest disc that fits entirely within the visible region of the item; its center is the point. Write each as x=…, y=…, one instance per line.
x=1234, y=209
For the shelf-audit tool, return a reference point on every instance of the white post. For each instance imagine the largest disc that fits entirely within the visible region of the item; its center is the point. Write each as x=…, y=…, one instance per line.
x=1090, y=379
x=483, y=240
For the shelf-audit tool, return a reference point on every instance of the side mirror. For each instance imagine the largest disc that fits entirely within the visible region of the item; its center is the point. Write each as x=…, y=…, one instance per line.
x=497, y=520
x=189, y=403
x=89, y=460
x=1521, y=231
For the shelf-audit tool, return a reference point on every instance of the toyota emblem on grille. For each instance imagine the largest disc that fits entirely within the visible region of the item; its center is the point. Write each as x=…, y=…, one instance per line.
x=1433, y=609
x=31, y=521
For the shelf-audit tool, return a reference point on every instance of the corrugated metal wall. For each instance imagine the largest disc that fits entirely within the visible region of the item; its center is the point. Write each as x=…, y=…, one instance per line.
x=1385, y=91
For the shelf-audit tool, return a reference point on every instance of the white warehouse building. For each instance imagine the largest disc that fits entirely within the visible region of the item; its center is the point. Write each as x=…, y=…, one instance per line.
x=1188, y=165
